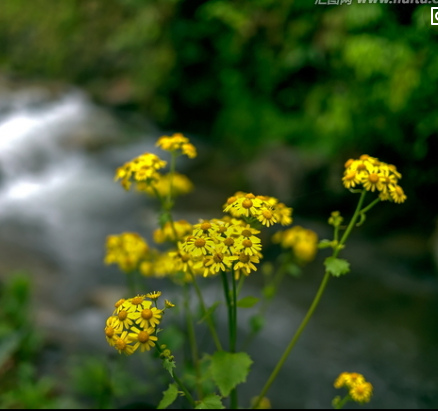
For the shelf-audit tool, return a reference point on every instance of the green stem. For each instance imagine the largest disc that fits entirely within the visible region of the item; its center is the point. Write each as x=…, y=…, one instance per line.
x=343, y=402
x=240, y=285
x=312, y=307
x=233, y=338
x=179, y=382
x=370, y=206
x=192, y=342
x=204, y=311
x=229, y=307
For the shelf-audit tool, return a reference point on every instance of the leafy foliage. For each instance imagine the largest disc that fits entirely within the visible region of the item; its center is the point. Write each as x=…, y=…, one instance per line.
x=229, y=369
x=169, y=396
x=337, y=266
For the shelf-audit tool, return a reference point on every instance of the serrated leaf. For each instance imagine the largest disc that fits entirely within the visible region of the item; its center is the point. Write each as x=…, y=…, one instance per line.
x=337, y=266
x=169, y=396
x=210, y=402
x=229, y=370
x=247, y=302
x=209, y=312
x=169, y=365
x=325, y=244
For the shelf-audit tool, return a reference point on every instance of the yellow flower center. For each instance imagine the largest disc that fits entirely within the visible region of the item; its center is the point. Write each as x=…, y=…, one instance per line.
x=222, y=229
x=137, y=300
x=247, y=243
x=120, y=344
x=361, y=167
x=143, y=336
x=147, y=314
x=247, y=203
x=399, y=191
x=387, y=180
x=109, y=332
x=364, y=156
x=373, y=178
x=185, y=258
x=229, y=241
x=250, y=196
x=200, y=242
x=122, y=315
x=231, y=200
x=246, y=233
x=205, y=226
x=243, y=258
x=119, y=303
x=267, y=214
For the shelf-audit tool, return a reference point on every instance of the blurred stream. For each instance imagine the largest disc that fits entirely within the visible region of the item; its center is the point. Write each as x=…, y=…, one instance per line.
x=58, y=202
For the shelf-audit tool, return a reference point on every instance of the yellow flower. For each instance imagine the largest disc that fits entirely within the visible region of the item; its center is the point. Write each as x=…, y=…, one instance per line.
x=361, y=392
x=177, y=142
x=124, y=319
x=397, y=194
x=198, y=246
x=303, y=242
x=372, y=181
x=341, y=381
x=218, y=261
x=112, y=330
x=354, y=378
x=168, y=304
x=154, y=295
x=350, y=179
x=137, y=303
x=148, y=317
x=142, y=338
x=245, y=263
x=247, y=246
x=267, y=217
x=122, y=342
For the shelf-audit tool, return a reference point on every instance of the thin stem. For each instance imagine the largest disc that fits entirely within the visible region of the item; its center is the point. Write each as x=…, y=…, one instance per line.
x=370, y=206
x=233, y=337
x=204, y=311
x=240, y=285
x=192, y=342
x=294, y=340
x=180, y=384
x=229, y=307
x=312, y=307
x=343, y=402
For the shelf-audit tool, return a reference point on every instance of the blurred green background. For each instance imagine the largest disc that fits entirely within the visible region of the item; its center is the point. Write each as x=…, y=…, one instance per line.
x=339, y=81
x=248, y=78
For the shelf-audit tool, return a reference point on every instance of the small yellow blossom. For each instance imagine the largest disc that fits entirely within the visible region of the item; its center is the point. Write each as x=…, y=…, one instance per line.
x=168, y=304
x=122, y=344
x=177, y=143
x=154, y=295
x=142, y=338
x=148, y=317
x=361, y=392
x=178, y=183
x=112, y=330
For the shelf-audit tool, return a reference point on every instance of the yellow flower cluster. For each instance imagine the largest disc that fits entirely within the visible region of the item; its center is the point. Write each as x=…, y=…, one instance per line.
x=142, y=169
x=133, y=323
x=126, y=250
x=219, y=245
x=180, y=185
x=374, y=175
x=265, y=209
x=360, y=390
x=177, y=143
x=303, y=242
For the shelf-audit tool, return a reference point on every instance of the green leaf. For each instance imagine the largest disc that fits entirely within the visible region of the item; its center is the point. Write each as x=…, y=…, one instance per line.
x=210, y=402
x=337, y=266
x=247, y=302
x=209, y=312
x=229, y=369
x=325, y=244
x=169, y=365
x=169, y=396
